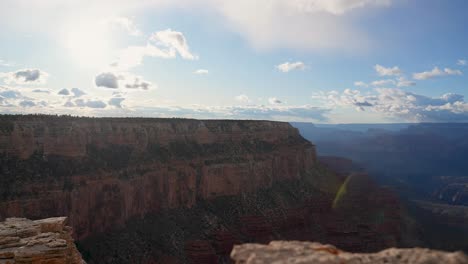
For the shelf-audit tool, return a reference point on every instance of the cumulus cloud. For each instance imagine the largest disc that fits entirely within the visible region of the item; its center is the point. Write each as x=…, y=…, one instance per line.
x=408, y=106
x=83, y=103
x=462, y=62
x=242, y=98
x=25, y=76
x=274, y=101
x=77, y=92
x=383, y=71
x=435, y=72
x=162, y=44
x=64, y=92
x=135, y=82
x=27, y=103
x=290, y=66
x=107, y=80
x=115, y=80
x=10, y=97
x=116, y=101
x=201, y=71
x=403, y=82
x=173, y=41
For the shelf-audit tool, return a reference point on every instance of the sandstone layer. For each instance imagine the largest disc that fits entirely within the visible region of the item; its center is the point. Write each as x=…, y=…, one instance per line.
x=282, y=252
x=46, y=241
x=102, y=172
x=179, y=190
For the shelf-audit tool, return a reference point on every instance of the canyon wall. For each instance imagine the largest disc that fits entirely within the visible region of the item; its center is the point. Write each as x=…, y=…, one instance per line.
x=140, y=190
x=102, y=172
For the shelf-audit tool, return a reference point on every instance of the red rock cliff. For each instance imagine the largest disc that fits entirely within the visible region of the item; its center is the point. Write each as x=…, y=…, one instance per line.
x=102, y=172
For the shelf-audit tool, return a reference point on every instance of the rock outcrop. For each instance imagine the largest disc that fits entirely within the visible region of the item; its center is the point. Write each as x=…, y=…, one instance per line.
x=147, y=190
x=23, y=241
x=282, y=252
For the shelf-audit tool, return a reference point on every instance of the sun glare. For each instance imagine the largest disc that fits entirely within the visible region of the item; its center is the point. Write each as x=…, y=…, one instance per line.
x=87, y=44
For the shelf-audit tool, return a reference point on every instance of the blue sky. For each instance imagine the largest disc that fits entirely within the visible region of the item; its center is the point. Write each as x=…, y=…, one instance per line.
x=326, y=61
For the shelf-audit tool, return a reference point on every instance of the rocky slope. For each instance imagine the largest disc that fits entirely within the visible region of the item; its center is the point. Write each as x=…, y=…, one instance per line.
x=147, y=190
x=282, y=252
x=23, y=241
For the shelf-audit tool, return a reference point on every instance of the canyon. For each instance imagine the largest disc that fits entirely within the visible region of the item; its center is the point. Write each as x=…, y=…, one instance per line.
x=180, y=190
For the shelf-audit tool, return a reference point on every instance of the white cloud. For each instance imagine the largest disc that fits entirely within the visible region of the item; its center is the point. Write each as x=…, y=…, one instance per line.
x=64, y=91
x=164, y=44
x=289, y=66
x=300, y=24
x=336, y=7
x=115, y=80
x=201, y=71
x=274, y=101
x=242, y=98
x=295, y=24
x=361, y=84
x=403, y=82
x=173, y=41
x=25, y=76
x=136, y=82
x=382, y=83
x=435, y=72
x=124, y=23
x=281, y=113
x=41, y=91
x=107, y=80
x=383, y=71
x=13, y=98
x=396, y=103
x=449, y=71
x=85, y=103
x=116, y=102
x=462, y=62
x=77, y=92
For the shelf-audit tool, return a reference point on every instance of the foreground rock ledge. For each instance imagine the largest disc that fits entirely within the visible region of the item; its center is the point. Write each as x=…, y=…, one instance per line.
x=296, y=252
x=41, y=241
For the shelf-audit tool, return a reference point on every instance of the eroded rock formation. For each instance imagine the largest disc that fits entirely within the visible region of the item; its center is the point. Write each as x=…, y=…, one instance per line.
x=102, y=172
x=282, y=252
x=176, y=190
x=42, y=241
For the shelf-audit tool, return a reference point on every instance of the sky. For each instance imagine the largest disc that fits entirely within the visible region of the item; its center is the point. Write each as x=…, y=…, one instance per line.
x=322, y=61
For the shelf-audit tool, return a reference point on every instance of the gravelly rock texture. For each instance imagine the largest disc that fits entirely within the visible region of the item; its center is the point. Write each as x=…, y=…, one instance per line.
x=296, y=252
x=46, y=241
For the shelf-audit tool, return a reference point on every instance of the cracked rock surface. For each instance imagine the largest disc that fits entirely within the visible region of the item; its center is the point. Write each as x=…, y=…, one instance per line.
x=296, y=252
x=41, y=241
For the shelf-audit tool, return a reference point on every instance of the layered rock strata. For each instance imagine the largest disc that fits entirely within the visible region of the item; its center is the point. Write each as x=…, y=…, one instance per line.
x=23, y=241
